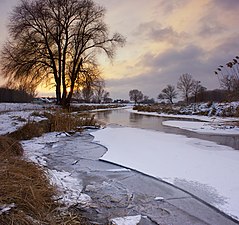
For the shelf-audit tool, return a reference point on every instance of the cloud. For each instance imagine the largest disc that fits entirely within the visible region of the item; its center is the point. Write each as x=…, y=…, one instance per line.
x=173, y=58
x=209, y=26
x=154, y=31
x=168, y=7
x=166, y=68
x=226, y=4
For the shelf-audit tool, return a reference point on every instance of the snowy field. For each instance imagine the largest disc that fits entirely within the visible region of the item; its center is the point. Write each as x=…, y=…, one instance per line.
x=204, y=168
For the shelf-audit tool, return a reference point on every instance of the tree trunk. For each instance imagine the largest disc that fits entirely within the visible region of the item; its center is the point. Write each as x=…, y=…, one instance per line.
x=58, y=93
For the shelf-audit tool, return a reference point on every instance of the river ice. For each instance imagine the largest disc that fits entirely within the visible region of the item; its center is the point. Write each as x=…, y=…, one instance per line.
x=204, y=168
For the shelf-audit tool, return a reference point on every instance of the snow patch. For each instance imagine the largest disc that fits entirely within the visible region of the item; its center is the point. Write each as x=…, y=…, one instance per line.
x=128, y=220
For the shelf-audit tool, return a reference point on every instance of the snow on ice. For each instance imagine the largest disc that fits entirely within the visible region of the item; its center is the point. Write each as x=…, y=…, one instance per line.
x=178, y=159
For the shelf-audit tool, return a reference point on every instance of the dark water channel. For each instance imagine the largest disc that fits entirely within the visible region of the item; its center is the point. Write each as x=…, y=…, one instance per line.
x=125, y=118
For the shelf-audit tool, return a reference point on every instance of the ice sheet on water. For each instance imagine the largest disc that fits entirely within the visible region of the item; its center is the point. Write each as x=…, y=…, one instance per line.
x=176, y=157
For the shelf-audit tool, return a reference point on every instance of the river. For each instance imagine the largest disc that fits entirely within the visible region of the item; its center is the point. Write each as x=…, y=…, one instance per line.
x=125, y=118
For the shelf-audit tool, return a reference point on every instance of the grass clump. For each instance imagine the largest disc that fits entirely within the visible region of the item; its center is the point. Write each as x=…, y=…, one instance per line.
x=23, y=185
x=31, y=130
x=55, y=121
x=9, y=148
x=65, y=121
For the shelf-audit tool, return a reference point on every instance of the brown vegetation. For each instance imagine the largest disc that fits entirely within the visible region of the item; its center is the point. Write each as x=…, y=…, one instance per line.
x=82, y=108
x=56, y=121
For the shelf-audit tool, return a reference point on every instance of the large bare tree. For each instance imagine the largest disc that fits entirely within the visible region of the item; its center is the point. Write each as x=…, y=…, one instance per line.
x=54, y=40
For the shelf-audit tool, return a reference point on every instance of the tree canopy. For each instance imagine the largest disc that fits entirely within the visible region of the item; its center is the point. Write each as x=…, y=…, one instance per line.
x=56, y=41
x=168, y=93
x=136, y=96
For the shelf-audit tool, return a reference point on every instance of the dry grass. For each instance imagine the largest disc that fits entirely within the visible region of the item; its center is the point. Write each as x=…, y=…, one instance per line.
x=9, y=148
x=56, y=121
x=64, y=121
x=24, y=184
x=86, y=108
x=31, y=130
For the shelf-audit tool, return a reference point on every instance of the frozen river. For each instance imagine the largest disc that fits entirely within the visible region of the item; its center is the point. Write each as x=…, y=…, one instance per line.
x=202, y=164
x=129, y=119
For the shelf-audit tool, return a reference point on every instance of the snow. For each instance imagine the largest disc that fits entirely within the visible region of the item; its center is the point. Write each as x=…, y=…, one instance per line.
x=159, y=198
x=4, y=107
x=197, y=164
x=11, y=121
x=129, y=220
x=6, y=208
x=203, y=127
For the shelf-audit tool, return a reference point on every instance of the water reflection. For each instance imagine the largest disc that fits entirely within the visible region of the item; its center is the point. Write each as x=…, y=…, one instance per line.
x=125, y=118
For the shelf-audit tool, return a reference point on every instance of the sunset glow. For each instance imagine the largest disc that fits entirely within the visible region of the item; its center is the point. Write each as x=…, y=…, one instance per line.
x=164, y=40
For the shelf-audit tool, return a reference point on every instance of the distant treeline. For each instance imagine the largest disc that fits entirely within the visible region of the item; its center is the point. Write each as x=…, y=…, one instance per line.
x=216, y=95
x=14, y=96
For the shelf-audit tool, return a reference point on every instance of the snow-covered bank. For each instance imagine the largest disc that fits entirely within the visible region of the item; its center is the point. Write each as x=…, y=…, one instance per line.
x=4, y=107
x=201, y=167
x=204, y=127
x=11, y=121
x=196, y=117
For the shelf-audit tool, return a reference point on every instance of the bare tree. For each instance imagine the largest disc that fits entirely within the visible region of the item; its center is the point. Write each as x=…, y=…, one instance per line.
x=185, y=85
x=168, y=93
x=197, y=89
x=52, y=39
x=100, y=94
x=136, y=96
x=89, y=82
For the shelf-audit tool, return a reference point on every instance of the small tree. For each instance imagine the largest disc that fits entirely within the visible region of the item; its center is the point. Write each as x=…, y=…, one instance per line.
x=168, y=93
x=136, y=96
x=185, y=85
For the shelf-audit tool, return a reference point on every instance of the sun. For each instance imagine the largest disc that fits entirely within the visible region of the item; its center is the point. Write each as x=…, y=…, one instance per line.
x=68, y=89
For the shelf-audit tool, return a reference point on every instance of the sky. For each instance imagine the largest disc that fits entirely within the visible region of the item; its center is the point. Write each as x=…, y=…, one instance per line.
x=165, y=39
